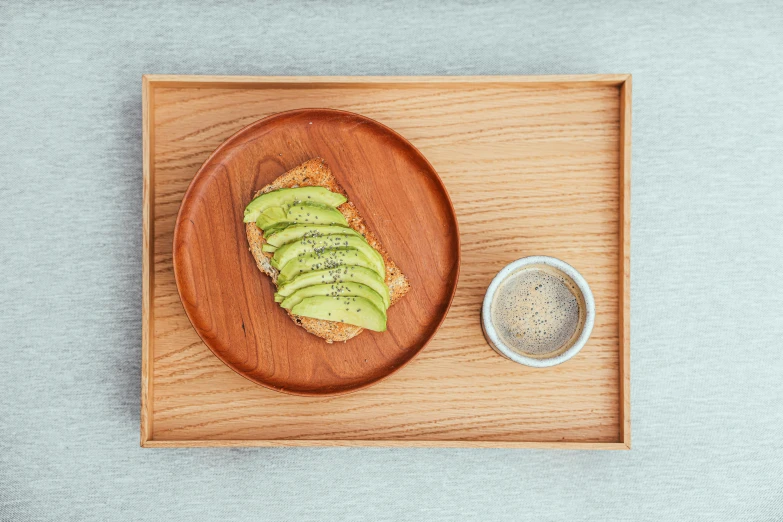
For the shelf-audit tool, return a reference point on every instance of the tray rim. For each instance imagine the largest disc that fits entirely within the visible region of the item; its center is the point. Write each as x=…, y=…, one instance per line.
x=152, y=81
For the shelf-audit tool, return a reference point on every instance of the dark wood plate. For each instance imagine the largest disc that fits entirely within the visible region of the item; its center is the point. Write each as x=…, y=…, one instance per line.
x=230, y=302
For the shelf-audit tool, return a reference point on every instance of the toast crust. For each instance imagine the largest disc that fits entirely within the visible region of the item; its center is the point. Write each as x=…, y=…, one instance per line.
x=315, y=172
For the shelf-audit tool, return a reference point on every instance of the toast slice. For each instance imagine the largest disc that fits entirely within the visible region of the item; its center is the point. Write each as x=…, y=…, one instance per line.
x=316, y=172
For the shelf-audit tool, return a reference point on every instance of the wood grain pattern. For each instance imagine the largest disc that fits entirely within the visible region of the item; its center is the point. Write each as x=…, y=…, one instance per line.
x=210, y=443
x=231, y=304
x=625, y=262
x=263, y=82
x=146, y=264
x=533, y=166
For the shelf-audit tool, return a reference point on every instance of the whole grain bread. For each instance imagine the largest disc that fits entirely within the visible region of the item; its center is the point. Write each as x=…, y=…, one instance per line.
x=316, y=172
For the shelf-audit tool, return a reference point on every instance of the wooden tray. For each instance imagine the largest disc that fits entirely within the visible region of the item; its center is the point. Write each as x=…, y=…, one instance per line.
x=534, y=165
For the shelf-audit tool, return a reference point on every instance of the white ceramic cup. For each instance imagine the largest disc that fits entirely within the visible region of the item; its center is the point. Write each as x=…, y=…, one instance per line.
x=491, y=334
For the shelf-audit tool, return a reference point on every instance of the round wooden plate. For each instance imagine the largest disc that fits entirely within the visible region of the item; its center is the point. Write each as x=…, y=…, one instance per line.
x=230, y=302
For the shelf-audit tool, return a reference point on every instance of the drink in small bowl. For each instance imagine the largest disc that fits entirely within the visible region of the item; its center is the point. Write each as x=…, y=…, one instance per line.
x=538, y=311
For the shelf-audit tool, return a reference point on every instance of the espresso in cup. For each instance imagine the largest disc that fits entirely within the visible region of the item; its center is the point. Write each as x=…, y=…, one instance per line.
x=538, y=311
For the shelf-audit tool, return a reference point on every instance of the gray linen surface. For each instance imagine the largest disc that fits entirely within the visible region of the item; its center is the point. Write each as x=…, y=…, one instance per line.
x=707, y=313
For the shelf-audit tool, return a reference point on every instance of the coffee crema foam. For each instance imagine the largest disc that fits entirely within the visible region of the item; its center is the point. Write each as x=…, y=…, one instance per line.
x=538, y=311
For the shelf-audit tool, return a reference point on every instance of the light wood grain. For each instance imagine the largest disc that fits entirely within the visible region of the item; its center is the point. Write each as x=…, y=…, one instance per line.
x=262, y=82
x=625, y=261
x=206, y=443
x=532, y=167
x=146, y=263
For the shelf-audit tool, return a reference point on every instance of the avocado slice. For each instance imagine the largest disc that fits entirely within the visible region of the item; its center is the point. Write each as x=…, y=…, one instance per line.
x=315, y=214
x=351, y=310
x=266, y=247
x=296, y=232
x=349, y=289
x=276, y=228
x=308, y=213
x=356, y=274
x=327, y=258
x=287, y=196
x=308, y=245
x=271, y=216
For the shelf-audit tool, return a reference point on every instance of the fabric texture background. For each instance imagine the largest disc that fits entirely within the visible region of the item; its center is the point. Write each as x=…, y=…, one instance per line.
x=707, y=243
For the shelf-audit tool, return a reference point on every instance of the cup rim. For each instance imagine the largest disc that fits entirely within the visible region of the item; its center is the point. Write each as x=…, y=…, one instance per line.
x=494, y=339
